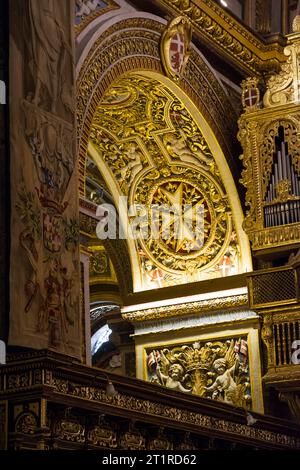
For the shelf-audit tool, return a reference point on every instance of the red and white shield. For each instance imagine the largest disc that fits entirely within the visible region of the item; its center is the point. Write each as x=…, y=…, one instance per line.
x=251, y=97
x=52, y=233
x=225, y=266
x=176, y=52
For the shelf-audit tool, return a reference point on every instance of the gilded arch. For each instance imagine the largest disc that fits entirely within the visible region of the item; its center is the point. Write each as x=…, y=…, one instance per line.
x=131, y=46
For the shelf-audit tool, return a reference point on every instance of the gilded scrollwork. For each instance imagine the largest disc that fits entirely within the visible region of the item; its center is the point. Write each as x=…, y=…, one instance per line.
x=133, y=44
x=211, y=22
x=189, y=308
x=26, y=423
x=268, y=338
x=269, y=135
x=102, y=435
x=267, y=148
x=159, y=158
x=73, y=430
x=132, y=440
x=160, y=442
x=69, y=429
x=283, y=88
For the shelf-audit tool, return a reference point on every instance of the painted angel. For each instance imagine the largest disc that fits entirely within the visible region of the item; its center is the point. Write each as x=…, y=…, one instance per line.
x=171, y=375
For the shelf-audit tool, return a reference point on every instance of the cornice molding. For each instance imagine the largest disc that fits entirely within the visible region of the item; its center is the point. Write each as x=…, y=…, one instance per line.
x=190, y=308
x=216, y=27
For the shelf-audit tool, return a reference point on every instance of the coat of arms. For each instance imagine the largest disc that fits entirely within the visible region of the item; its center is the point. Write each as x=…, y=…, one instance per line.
x=175, y=46
x=250, y=94
x=52, y=232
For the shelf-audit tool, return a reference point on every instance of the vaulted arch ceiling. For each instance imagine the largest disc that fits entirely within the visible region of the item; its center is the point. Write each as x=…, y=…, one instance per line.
x=131, y=42
x=153, y=146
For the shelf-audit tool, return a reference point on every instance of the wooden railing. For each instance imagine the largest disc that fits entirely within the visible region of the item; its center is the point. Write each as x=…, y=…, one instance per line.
x=48, y=402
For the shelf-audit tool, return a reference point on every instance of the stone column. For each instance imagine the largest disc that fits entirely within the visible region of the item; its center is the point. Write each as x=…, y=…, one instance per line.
x=44, y=275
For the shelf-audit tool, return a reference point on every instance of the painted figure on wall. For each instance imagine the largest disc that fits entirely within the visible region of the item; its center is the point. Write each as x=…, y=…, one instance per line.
x=49, y=49
x=45, y=251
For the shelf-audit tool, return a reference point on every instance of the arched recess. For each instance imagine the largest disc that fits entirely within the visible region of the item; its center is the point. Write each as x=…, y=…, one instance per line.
x=130, y=45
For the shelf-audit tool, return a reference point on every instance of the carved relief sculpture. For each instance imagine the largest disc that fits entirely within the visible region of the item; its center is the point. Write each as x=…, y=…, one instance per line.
x=218, y=370
x=159, y=157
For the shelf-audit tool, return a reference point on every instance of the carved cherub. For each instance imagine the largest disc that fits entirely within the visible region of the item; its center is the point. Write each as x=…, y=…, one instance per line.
x=134, y=163
x=180, y=149
x=225, y=386
x=174, y=377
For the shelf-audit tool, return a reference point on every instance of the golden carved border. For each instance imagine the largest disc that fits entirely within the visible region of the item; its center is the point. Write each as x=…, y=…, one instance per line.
x=191, y=308
x=133, y=45
x=151, y=408
x=253, y=135
x=65, y=382
x=218, y=28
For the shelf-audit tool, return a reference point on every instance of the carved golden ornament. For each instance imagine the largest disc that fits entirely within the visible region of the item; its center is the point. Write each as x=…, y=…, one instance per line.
x=216, y=369
x=160, y=442
x=69, y=430
x=284, y=88
x=26, y=424
x=195, y=248
x=278, y=236
x=267, y=336
x=269, y=192
x=175, y=46
x=250, y=94
x=148, y=409
x=133, y=44
x=99, y=263
x=190, y=308
x=102, y=436
x=160, y=159
x=215, y=26
x=132, y=440
x=283, y=190
x=296, y=24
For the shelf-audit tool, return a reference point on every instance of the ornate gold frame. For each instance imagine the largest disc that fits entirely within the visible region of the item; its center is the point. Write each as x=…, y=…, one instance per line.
x=247, y=328
x=179, y=24
x=228, y=36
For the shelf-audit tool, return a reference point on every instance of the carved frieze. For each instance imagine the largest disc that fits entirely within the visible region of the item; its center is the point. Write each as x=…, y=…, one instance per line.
x=218, y=370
